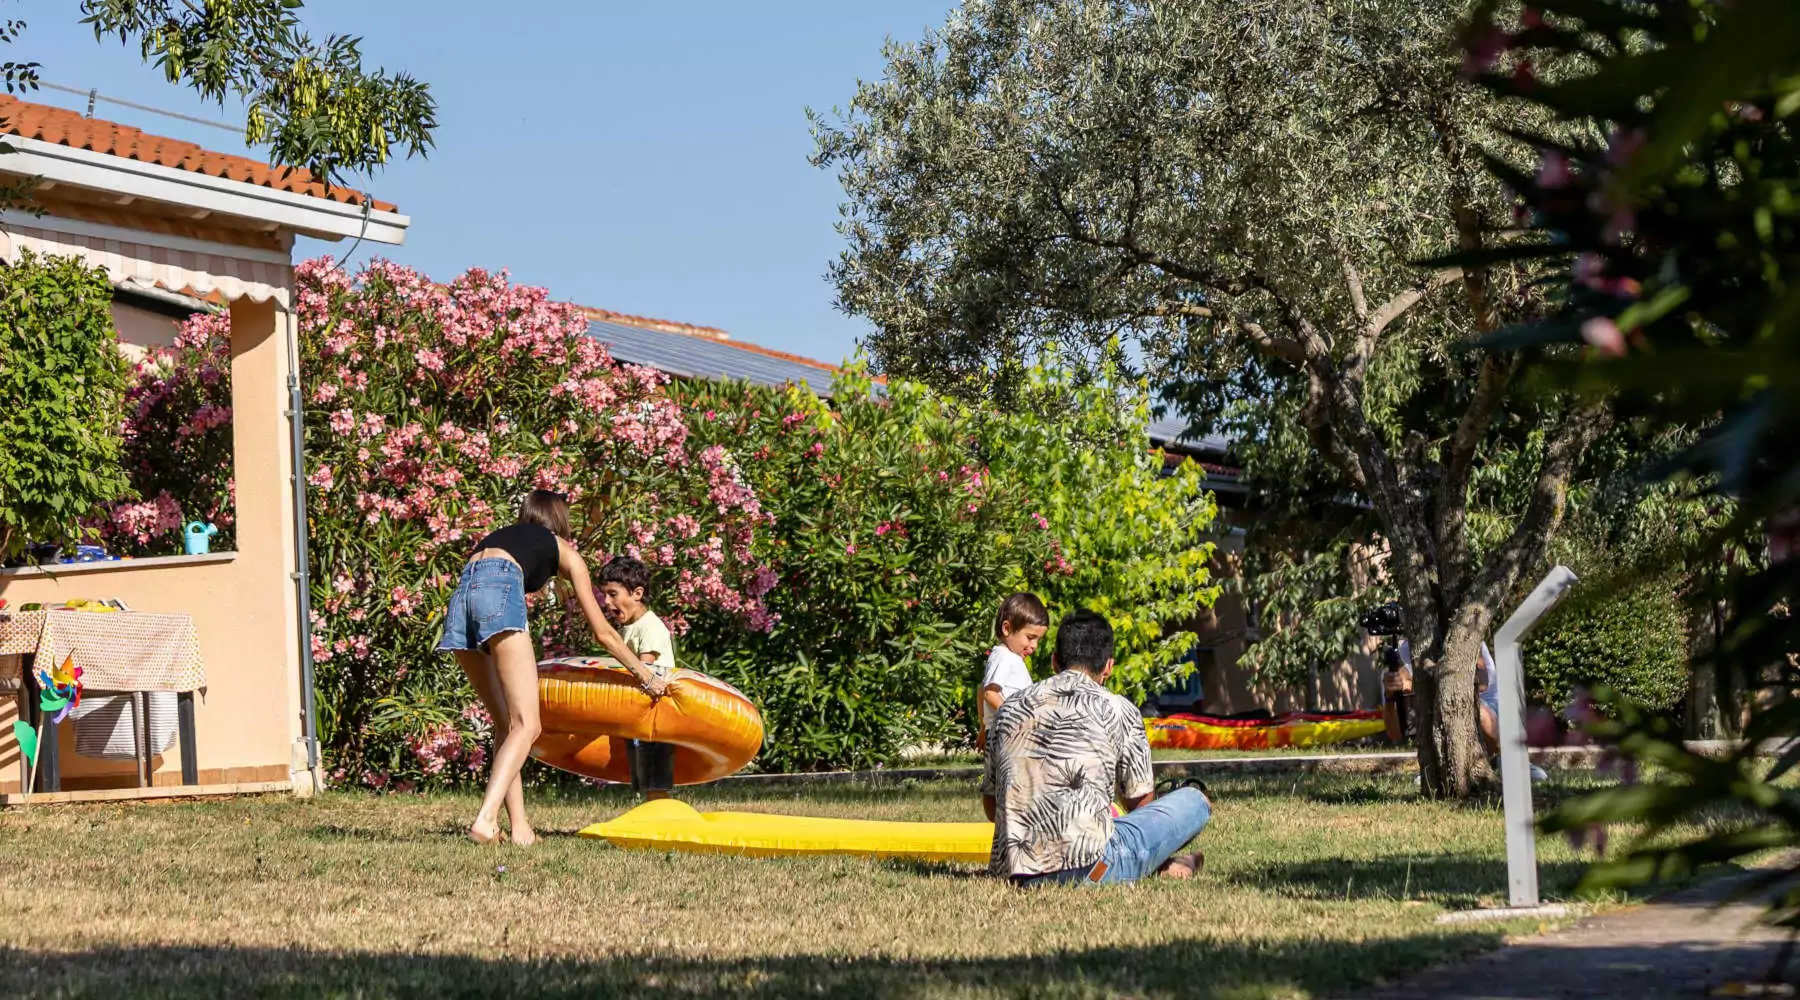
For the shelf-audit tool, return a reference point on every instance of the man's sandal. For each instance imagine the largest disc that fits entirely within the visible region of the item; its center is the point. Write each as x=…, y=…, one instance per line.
x=1176, y=783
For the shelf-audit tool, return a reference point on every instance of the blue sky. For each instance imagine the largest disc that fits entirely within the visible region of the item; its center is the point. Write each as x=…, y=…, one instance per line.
x=644, y=157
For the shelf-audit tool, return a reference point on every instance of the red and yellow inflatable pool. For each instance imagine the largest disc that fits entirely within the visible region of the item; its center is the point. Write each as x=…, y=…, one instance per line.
x=1295, y=729
x=591, y=707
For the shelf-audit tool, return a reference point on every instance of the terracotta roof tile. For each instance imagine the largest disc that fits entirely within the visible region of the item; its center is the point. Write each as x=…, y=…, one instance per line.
x=68, y=128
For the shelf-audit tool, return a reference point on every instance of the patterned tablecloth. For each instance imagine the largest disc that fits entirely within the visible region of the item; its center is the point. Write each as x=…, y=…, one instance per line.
x=125, y=651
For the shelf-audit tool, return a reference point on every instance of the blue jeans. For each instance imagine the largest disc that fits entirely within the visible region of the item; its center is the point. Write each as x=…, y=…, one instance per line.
x=489, y=600
x=1142, y=840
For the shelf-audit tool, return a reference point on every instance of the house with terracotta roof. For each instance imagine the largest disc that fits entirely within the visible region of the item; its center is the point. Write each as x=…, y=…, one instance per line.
x=174, y=224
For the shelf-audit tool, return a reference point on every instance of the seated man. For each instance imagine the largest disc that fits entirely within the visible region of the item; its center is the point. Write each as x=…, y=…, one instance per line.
x=1058, y=753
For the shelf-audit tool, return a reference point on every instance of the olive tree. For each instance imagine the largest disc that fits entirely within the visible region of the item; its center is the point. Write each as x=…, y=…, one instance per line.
x=1240, y=190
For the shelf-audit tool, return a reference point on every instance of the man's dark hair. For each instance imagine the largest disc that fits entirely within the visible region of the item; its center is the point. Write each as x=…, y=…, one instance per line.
x=626, y=572
x=1085, y=640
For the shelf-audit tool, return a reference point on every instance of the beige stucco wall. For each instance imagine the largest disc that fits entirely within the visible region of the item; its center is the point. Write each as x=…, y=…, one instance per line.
x=1350, y=683
x=248, y=720
x=140, y=330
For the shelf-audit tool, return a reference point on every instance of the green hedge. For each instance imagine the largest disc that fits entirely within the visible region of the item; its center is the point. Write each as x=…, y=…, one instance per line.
x=1634, y=642
x=63, y=382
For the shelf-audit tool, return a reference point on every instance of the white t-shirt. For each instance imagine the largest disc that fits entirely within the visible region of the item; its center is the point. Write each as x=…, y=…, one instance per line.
x=1490, y=677
x=1005, y=669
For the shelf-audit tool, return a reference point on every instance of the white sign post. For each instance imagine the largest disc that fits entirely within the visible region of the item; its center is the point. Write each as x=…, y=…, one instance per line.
x=1515, y=757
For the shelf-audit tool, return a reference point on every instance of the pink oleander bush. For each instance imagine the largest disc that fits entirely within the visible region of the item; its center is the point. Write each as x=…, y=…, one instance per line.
x=177, y=445
x=431, y=410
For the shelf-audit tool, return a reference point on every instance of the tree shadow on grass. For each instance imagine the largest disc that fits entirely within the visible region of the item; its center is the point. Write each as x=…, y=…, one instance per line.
x=1456, y=880
x=1182, y=968
x=433, y=833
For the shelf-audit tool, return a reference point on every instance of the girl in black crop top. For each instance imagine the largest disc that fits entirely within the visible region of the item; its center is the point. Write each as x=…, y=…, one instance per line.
x=485, y=628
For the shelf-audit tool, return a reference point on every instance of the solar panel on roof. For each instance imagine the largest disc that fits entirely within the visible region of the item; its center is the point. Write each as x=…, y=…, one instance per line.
x=696, y=357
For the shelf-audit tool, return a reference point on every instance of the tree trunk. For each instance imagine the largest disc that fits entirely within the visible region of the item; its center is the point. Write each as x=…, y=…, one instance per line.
x=1452, y=762
x=1706, y=709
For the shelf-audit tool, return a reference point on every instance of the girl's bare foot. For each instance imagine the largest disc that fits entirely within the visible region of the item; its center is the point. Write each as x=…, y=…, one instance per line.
x=1183, y=865
x=524, y=838
x=485, y=832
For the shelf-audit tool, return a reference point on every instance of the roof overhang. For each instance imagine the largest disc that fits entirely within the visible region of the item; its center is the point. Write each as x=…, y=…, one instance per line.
x=320, y=218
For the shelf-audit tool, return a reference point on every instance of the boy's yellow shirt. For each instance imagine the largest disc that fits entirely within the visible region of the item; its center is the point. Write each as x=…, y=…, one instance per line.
x=649, y=635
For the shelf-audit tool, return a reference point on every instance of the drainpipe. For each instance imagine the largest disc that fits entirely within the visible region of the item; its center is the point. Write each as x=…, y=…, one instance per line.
x=302, y=580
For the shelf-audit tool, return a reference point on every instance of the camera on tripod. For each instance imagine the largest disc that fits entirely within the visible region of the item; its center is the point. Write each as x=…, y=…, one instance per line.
x=1383, y=621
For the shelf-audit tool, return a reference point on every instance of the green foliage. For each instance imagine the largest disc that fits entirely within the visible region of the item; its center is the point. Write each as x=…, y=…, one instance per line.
x=311, y=102
x=1739, y=803
x=1632, y=642
x=900, y=522
x=1677, y=240
x=1307, y=608
x=1242, y=189
x=1131, y=531
x=1042, y=172
x=64, y=382
x=893, y=547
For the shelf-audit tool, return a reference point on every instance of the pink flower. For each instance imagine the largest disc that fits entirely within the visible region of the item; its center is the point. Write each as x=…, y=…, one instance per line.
x=1554, y=172
x=402, y=602
x=1604, y=335
x=1484, y=50
x=321, y=478
x=343, y=422
x=850, y=549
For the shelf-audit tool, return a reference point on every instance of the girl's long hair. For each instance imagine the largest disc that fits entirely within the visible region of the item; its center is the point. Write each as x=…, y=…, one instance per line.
x=547, y=509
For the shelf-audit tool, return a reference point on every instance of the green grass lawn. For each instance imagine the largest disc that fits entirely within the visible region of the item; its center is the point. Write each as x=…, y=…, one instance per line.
x=1314, y=884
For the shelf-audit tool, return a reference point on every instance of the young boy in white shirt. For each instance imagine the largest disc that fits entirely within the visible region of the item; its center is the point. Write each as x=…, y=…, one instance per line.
x=1019, y=626
x=623, y=584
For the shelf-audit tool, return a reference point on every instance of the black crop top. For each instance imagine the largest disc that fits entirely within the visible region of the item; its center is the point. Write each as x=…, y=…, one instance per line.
x=532, y=546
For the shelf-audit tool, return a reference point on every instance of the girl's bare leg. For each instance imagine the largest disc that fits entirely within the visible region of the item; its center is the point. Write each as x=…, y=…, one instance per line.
x=516, y=665
x=479, y=667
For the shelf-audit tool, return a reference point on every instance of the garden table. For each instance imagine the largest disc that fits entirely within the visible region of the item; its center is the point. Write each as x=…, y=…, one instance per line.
x=127, y=651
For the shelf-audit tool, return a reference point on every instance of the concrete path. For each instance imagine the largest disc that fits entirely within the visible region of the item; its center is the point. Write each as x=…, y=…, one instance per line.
x=1679, y=946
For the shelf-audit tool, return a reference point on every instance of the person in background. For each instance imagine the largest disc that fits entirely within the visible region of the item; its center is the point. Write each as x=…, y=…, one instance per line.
x=486, y=629
x=1397, y=684
x=1018, y=626
x=1061, y=750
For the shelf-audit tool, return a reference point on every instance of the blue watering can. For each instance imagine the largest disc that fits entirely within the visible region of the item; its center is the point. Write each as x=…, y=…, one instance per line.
x=199, y=538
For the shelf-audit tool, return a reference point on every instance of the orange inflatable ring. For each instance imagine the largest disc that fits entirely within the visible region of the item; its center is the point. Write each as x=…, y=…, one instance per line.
x=590, y=707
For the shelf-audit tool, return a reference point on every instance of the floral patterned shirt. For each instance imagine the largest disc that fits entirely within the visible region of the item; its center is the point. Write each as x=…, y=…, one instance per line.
x=1059, y=753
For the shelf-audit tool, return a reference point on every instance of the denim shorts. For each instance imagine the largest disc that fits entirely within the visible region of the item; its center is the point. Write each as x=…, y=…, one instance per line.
x=489, y=600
